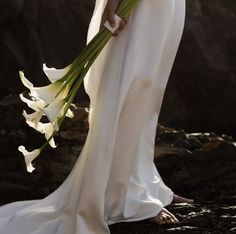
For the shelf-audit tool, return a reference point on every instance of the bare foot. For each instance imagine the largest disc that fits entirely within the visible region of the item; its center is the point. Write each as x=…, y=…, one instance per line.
x=179, y=199
x=164, y=217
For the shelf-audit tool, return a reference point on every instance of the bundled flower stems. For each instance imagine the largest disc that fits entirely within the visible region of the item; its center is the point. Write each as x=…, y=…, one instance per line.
x=55, y=99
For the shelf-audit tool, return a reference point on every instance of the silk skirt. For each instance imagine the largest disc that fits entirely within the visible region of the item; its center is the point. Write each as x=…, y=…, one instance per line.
x=114, y=179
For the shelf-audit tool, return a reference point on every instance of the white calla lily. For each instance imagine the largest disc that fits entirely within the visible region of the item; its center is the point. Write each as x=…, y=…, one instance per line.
x=47, y=129
x=50, y=92
x=54, y=111
x=33, y=119
x=46, y=93
x=33, y=104
x=38, y=104
x=29, y=157
x=54, y=74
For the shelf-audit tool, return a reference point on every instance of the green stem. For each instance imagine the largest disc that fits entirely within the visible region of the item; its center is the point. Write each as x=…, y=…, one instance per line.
x=84, y=61
x=123, y=10
x=70, y=100
x=92, y=48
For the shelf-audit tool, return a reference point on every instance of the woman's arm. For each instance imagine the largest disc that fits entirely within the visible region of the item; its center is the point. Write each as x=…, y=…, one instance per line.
x=109, y=14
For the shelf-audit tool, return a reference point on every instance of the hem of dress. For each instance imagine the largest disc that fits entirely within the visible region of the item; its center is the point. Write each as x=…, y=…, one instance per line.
x=110, y=222
x=134, y=219
x=170, y=199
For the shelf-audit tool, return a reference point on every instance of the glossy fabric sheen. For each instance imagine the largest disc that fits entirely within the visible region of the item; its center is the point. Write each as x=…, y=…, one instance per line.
x=114, y=178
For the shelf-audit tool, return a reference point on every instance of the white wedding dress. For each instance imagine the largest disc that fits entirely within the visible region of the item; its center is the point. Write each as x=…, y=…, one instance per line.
x=114, y=179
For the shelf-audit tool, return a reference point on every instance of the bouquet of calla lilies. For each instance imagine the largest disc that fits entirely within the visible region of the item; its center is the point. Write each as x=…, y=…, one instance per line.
x=55, y=99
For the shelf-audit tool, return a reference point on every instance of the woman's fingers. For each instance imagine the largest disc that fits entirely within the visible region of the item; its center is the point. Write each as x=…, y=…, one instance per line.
x=104, y=18
x=111, y=10
x=109, y=15
x=123, y=22
x=122, y=25
x=111, y=18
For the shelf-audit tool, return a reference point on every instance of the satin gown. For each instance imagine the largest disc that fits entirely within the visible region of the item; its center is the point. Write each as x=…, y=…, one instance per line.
x=114, y=178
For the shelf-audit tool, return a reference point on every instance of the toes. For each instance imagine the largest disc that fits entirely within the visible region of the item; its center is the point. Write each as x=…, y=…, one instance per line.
x=171, y=219
x=171, y=215
x=174, y=218
x=160, y=221
x=164, y=217
x=167, y=218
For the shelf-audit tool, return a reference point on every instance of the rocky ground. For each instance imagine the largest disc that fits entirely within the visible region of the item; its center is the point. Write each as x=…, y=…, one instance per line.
x=195, y=165
x=199, y=166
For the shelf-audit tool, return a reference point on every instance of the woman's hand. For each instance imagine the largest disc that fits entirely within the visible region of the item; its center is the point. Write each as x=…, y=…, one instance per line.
x=109, y=14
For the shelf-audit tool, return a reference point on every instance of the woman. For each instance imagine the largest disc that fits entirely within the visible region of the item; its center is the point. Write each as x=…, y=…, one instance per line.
x=115, y=179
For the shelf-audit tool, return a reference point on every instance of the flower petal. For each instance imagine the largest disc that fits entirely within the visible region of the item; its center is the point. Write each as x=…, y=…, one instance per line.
x=29, y=157
x=47, y=129
x=33, y=119
x=33, y=104
x=55, y=74
x=50, y=92
x=54, y=111
x=25, y=81
x=46, y=93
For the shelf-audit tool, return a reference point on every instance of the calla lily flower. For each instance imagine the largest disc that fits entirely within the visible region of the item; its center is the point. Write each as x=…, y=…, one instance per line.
x=29, y=157
x=55, y=74
x=50, y=92
x=54, y=111
x=33, y=104
x=47, y=129
x=46, y=93
x=33, y=119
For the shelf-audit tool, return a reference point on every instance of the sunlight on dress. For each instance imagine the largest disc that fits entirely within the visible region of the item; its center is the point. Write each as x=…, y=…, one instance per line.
x=114, y=179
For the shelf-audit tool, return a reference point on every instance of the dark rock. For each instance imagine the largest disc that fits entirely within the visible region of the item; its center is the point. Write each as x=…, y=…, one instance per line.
x=200, y=95
x=232, y=230
x=10, y=9
x=205, y=172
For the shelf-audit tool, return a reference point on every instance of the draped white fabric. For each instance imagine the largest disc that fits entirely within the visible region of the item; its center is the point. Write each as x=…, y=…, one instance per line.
x=114, y=178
